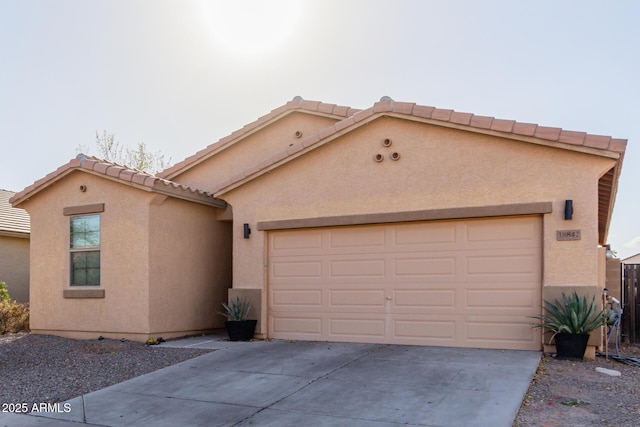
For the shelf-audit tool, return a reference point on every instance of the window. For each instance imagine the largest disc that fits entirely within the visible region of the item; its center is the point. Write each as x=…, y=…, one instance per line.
x=85, y=250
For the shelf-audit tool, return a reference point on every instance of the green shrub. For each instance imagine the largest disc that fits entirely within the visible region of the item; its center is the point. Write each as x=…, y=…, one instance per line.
x=14, y=316
x=4, y=293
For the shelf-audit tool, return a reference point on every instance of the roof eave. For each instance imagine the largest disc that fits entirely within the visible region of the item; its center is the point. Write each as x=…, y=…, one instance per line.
x=18, y=234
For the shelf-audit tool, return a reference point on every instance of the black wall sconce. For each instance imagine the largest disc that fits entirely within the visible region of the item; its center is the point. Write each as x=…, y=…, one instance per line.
x=247, y=231
x=568, y=209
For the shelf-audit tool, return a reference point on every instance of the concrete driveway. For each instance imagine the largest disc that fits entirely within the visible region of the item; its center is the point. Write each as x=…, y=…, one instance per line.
x=280, y=383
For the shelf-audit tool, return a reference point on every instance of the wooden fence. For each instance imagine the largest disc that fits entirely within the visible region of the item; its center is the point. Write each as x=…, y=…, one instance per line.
x=631, y=303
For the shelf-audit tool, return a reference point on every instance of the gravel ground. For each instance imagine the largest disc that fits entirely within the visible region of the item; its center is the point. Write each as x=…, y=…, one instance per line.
x=612, y=401
x=48, y=369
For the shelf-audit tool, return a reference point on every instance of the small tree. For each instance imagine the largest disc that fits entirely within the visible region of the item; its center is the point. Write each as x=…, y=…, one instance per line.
x=141, y=158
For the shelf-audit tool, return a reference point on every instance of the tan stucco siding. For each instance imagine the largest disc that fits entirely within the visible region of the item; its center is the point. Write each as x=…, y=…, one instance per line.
x=438, y=168
x=14, y=266
x=124, y=258
x=190, y=259
x=252, y=149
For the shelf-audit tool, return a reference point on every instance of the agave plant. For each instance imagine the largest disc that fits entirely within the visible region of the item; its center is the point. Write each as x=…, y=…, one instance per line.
x=574, y=315
x=237, y=310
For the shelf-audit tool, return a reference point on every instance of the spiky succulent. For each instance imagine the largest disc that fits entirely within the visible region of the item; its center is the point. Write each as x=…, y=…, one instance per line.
x=237, y=310
x=572, y=315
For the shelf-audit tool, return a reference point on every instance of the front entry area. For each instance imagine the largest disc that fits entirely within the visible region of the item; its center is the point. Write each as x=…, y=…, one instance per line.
x=460, y=283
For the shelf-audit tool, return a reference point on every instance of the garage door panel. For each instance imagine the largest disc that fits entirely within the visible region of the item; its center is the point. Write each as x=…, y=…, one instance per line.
x=425, y=331
x=514, y=230
x=522, y=300
x=357, y=298
x=357, y=328
x=357, y=267
x=296, y=269
x=497, y=332
x=293, y=243
x=359, y=238
x=424, y=265
x=415, y=235
x=458, y=283
x=283, y=298
x=420, y=299
x=301, y=325
x=522, y=264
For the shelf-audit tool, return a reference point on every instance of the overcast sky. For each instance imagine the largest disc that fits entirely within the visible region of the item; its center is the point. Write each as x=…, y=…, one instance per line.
x=179, y=75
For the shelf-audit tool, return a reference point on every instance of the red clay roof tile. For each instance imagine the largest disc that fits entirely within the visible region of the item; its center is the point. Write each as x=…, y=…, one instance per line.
x=572, y=137
x=481, y=122
x=122, y=174
x=342, y=124
x=460, y=118
x=403, y=107
x=545, y=132
x=526, y=129
x=618, y=145
x=597, y=141
x=423, y=111
x=440, y=114
x=502, y=125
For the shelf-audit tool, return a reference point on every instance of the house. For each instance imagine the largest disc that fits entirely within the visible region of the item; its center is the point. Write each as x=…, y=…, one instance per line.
x=14, y=248
x=633, y=259
x=399, y=223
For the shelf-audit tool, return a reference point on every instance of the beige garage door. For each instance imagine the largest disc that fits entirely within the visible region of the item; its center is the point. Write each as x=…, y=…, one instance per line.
x=463, y=283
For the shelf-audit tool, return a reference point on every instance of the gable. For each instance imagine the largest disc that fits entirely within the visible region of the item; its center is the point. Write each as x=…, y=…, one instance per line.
x=109, y=171
x=297, y=105
x=436, y=167
x=224, y=161
x=571, y=141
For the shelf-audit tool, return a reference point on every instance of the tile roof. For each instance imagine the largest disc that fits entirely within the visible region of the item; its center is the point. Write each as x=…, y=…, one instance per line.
x=297, y=104
x=13, y=221
x=121, y=174
x=530, y=132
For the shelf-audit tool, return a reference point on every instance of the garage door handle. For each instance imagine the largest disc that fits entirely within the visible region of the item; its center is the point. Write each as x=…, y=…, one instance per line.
x=387, y=298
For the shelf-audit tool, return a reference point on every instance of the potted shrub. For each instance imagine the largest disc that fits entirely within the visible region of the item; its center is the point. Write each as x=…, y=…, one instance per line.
x=571, y=321
x=239, y=328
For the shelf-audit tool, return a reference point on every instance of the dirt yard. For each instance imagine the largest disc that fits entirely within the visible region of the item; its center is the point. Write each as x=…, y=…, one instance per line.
x=565, y=393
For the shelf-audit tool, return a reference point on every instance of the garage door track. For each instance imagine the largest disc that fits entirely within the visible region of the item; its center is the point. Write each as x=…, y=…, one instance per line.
x=281, y=383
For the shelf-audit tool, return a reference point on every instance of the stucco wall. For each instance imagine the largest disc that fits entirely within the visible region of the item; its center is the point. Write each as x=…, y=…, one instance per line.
x=124, y=253
x=438, y=168
x=190, y=258
x=245, y=153
x=14, y=266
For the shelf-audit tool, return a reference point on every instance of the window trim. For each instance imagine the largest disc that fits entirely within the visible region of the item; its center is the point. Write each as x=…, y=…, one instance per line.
x=73, y=250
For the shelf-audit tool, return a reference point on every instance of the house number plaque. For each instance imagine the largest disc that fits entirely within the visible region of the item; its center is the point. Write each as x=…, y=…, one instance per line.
x=568, y=235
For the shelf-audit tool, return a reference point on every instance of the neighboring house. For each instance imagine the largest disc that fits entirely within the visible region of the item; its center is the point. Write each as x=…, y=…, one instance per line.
x=14, y=248
x=634, y=259
x=399, y=223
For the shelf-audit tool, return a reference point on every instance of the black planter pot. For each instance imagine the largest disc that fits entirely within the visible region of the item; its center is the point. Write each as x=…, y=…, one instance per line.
x=240, y=330
x=571, y=346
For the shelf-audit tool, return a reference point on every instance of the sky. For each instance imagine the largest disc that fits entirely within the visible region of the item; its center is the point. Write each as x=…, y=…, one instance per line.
x=179, y=75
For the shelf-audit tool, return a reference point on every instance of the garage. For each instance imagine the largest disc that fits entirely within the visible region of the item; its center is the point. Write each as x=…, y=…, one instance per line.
x=460, y=283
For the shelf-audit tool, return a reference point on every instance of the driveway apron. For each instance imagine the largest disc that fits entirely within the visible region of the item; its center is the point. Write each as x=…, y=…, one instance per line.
x=282, y=383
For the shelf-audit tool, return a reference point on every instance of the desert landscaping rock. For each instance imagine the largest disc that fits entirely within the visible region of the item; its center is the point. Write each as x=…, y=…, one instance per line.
x=47, y=369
